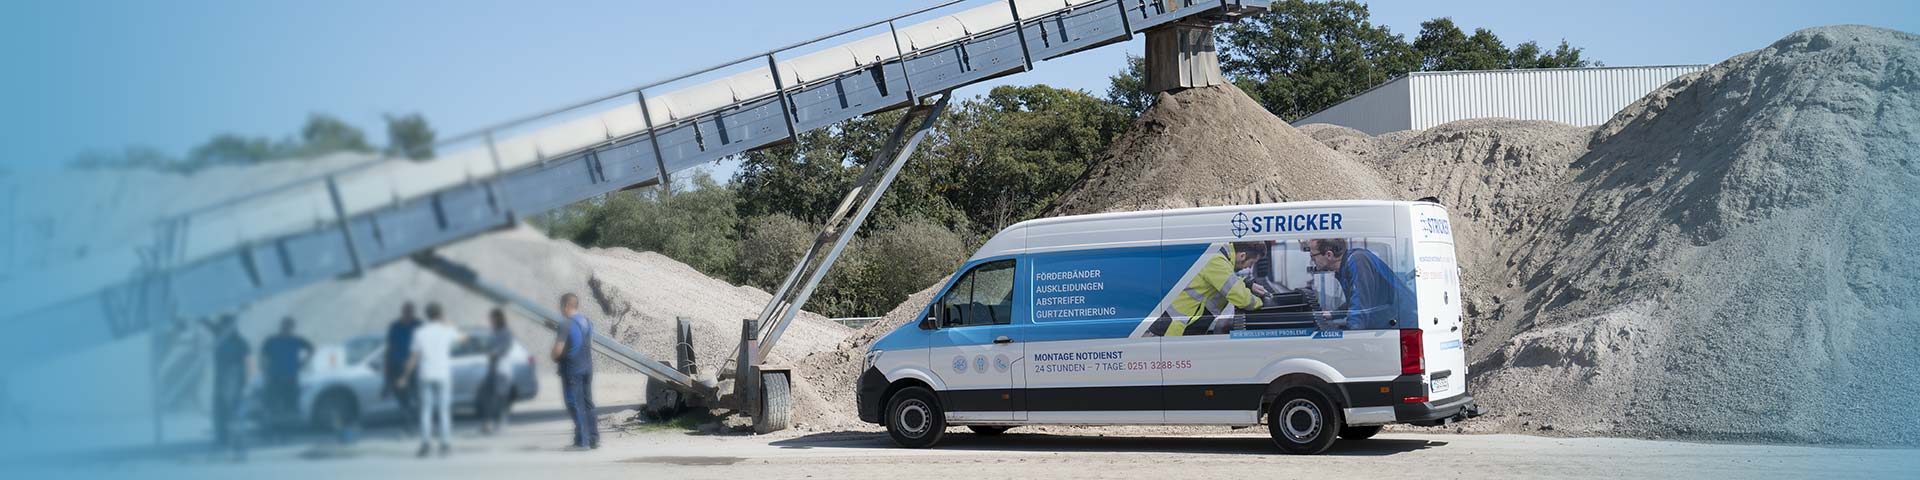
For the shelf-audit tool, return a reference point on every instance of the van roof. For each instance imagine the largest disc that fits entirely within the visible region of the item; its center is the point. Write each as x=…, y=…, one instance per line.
x=1004, y=241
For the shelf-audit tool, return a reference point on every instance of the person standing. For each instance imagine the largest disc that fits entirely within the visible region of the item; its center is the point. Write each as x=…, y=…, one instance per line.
x=574, y=354
x=283, y=355
x=399, y=347
x=230, y=352
x=431, y=363
x=497, y=390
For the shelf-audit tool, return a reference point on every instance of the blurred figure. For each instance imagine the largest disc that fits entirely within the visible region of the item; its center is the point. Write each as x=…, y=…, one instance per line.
x=574, y=353
x=399, y=347
x=494, y=390
x=282, y=356
x=230, y=367
x=431, y=363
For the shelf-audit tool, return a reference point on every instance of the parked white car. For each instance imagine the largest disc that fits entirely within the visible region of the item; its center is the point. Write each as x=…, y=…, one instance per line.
x=341, y=383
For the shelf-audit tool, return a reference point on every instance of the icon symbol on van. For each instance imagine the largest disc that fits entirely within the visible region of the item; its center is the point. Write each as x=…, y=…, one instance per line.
x=980, y=363
x=1240, y=225
x=1000, y=363
x=960, y=363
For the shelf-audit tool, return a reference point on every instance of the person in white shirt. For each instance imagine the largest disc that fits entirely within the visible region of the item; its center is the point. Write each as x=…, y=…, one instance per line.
x=432, y=364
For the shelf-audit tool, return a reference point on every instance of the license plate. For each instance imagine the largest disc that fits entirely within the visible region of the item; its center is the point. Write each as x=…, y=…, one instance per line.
x=1440, y=384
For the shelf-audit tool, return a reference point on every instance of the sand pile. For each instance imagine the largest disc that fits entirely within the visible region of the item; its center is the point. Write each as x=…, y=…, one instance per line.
x=631, y=296
x=1215, y=146
x=831, y=375
x=1733, y=258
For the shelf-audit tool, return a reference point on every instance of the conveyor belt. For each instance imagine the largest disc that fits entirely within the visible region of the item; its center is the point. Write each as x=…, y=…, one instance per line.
x=280, y=238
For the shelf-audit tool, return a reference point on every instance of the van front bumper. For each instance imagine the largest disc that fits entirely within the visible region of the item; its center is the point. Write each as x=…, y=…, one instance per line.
x=1433, y=414
x=867, y=395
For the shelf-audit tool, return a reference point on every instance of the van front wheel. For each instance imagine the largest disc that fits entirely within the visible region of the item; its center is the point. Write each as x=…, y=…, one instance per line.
x=1303, y=422
x=914, y=419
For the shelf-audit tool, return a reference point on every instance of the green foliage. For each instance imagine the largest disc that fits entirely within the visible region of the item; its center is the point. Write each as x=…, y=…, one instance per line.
x=1302, y=57
x=769, y=245
x=696, y=226
x=1443, y=46
x=322, y=135
x=1128, y=88
x=1008, y=155
x=409, y=136
x=991, y=161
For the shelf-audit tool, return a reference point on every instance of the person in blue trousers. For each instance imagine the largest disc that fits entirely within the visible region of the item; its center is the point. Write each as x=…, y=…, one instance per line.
x=573, y=351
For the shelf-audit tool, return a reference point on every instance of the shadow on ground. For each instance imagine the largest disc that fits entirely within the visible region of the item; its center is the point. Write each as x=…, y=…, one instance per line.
x=1015, y=441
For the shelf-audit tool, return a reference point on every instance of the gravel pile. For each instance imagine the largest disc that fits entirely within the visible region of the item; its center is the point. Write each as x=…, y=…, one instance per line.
x=1732, y=259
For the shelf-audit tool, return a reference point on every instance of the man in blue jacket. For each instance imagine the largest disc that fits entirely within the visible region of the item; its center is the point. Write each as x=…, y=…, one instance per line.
x=574, y=352
x=1376, y=297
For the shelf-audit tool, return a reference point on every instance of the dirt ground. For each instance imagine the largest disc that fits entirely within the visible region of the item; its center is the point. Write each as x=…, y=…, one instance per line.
x=531, y=449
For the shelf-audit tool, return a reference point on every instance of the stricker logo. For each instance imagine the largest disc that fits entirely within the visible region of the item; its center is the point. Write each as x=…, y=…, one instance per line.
x=1239, y=225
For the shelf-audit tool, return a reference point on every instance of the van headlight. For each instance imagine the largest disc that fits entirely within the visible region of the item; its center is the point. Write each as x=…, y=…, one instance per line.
x=872, y=356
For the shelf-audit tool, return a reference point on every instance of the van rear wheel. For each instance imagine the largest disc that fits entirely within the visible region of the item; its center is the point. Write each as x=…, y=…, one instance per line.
x=1303, y=422
x=914, y=418
x=1359, y=433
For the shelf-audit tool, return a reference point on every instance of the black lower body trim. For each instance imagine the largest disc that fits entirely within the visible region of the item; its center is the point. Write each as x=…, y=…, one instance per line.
x=1435, y=413
x=1381, y=394
x=867, y=396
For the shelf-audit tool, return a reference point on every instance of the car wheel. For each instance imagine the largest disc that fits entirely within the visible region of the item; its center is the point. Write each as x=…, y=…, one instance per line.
x=1359, y=433
x=988, y=430
x=1303, y=422
x=335, y=410
x=914, y=418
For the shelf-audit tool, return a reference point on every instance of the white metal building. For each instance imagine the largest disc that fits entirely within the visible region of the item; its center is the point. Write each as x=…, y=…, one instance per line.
x=1577, y=96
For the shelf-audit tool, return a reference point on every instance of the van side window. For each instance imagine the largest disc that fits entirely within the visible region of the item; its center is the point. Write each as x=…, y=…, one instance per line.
x=983, y=296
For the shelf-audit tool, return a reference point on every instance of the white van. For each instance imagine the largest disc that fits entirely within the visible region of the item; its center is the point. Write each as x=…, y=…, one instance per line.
x=1321, y=319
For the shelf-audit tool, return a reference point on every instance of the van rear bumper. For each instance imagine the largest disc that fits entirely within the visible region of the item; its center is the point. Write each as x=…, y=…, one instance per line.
x=1433, y=414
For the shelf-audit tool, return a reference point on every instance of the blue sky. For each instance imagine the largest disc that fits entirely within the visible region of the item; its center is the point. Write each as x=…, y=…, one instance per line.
x=105, y=74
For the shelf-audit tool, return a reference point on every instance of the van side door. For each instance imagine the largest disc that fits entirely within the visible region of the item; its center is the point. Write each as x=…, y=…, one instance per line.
x=976, y=349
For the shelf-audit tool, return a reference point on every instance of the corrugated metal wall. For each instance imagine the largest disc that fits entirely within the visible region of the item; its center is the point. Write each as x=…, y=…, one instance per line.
x=1383, y=109
x=1577, y=96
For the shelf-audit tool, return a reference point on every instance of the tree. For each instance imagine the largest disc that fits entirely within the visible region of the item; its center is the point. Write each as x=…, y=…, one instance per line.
x=324, y=134
x=409, y=136
x=1128, y=88
x=134, y=157
x=232, y=149
x=1302, y=57
x=1009, y=154
x=696, y=226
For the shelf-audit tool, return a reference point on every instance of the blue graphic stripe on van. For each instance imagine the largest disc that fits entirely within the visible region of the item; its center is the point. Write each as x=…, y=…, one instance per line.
x=1450, y=344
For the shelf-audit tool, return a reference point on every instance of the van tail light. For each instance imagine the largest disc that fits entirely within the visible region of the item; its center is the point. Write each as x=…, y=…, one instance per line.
x=1420, y=399
x=1413, y=359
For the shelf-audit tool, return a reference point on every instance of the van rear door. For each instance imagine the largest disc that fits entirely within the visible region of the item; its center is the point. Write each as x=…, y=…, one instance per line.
x=1437, y=283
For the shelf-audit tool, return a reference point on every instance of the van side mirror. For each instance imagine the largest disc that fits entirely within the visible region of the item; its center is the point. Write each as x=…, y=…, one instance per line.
x=929, y=323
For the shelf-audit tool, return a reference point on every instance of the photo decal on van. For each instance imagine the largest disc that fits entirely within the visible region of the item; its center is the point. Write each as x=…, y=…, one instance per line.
x=1315, y=287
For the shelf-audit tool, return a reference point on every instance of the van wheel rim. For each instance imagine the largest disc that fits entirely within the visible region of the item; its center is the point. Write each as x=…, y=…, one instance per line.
x=915, y=418
x=1300, y=419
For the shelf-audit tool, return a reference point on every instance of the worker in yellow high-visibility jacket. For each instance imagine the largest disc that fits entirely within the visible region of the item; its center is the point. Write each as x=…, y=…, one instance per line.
x=1218, y=284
